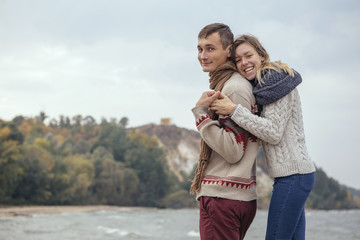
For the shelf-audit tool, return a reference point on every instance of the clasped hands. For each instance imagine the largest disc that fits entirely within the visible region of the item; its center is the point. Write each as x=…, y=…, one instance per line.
x=216, y=101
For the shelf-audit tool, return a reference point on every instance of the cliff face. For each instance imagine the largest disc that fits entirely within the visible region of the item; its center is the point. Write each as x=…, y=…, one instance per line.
x=183, y=147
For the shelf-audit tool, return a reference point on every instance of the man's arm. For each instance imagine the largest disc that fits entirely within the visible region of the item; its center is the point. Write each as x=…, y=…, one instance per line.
x=219, y=139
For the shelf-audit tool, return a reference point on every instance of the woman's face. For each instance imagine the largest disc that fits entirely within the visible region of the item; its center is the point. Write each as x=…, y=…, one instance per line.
x=247, y=60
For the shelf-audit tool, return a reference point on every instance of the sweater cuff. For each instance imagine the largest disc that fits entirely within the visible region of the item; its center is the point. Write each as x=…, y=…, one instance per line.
x=237, y=114
x=234, y=110
x=201, y=114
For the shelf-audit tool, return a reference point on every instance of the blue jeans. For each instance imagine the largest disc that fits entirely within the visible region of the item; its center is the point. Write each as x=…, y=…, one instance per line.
x=286, y=219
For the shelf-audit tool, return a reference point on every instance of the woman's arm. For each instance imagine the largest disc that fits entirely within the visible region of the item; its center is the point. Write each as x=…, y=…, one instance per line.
x=269, y=128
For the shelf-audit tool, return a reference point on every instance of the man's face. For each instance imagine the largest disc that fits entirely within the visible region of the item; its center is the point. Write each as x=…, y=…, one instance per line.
x=211, y=53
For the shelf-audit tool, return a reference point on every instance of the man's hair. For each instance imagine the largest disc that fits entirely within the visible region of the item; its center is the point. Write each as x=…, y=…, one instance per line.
x=226, y=36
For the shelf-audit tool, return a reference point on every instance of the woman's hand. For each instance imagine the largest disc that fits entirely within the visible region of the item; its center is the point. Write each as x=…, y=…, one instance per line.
x=207, y=98
x=223, y=105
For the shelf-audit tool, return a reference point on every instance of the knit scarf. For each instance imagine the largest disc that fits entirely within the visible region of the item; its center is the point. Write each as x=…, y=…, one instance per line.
x=275, y=86
x=217, y=81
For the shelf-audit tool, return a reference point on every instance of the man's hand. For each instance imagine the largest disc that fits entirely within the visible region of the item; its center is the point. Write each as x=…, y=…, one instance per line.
x=222, y=105
x=207, y=98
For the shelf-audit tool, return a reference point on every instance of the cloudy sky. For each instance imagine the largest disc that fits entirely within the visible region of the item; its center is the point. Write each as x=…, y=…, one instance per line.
x=138, y=59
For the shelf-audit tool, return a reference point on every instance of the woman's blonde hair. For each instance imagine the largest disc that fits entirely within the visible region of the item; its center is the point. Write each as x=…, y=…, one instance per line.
x=265, y=64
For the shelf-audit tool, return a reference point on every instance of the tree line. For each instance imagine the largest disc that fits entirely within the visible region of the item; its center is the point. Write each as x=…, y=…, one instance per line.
x=328, y=194
x=78, y=161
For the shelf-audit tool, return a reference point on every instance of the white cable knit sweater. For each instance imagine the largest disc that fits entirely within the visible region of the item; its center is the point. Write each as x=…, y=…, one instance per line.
x=282, y=131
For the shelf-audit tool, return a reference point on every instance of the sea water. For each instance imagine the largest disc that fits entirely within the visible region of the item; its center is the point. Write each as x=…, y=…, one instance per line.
x=159, y=224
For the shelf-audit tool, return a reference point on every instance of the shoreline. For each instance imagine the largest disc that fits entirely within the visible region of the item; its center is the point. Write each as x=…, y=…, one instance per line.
x=14, y=211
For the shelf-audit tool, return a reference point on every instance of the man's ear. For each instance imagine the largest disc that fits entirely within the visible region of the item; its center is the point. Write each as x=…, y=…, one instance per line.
x=228, y=49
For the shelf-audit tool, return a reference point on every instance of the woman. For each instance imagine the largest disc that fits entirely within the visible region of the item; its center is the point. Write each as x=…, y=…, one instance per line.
x=280, y=127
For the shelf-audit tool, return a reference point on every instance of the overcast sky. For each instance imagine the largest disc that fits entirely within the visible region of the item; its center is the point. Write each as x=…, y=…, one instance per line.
x=138, y=59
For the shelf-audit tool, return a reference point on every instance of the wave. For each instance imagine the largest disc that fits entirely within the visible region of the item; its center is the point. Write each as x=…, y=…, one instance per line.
x=122, y=233
x=193, y=233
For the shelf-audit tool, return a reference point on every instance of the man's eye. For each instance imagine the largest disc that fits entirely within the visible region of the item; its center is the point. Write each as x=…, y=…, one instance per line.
x=211, y=49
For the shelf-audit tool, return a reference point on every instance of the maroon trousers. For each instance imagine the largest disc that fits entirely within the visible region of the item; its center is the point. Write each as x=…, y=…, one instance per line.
x=225, y=219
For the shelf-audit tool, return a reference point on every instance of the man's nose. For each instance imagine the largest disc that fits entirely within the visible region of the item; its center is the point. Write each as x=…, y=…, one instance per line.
x=203, y=55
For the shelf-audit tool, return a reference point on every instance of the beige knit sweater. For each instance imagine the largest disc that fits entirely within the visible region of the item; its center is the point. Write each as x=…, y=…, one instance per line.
x=231, y=172
x=282, y=130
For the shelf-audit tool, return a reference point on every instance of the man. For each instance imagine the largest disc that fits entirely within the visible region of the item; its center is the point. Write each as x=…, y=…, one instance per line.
x=224, y=182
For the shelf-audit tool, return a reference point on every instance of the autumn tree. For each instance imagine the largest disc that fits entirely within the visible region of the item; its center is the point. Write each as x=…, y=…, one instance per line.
x=149, y=162
x=10, y=153
x=114, y=183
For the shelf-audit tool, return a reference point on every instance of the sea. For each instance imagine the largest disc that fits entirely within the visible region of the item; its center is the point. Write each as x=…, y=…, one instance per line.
x=159, y=224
